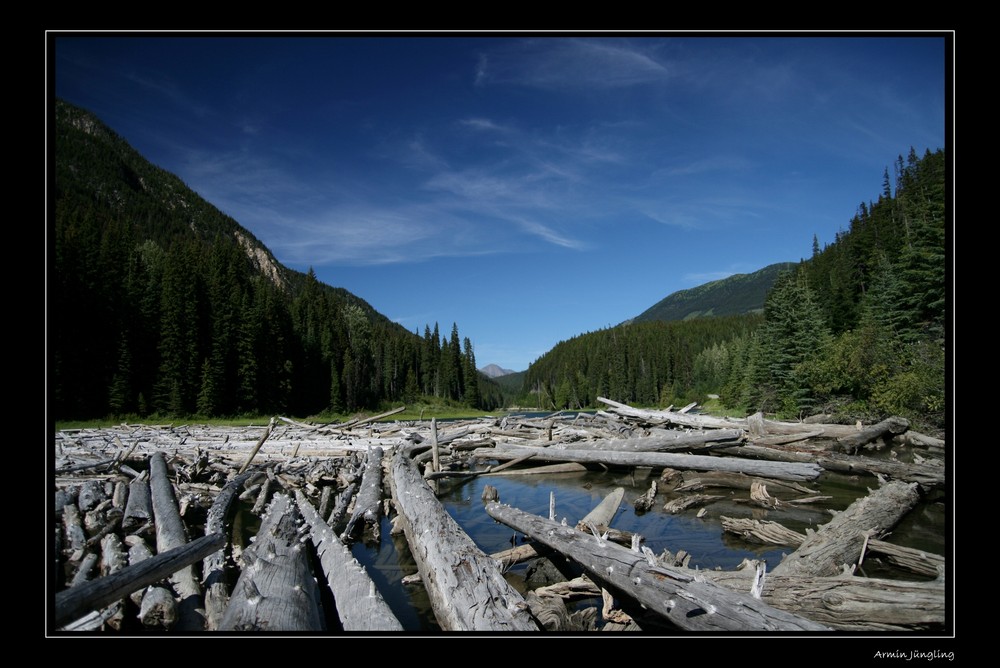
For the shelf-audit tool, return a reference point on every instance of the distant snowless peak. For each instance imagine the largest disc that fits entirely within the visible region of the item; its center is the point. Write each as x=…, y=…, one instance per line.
x=493, y=371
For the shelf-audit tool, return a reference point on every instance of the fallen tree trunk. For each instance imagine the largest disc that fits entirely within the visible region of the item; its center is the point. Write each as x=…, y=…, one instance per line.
x=679, y=598
x=929, y=476
x=846, y=603
x=276, y=590
x=888, y=427
x=780, y=470
x=664, y=441
x=73, y=603
x=360, y=606
x=466, y=589
x=756, y=425
x=915, y=561
x=368, y=505
x=213, y=567
x=839, y=542
x=170, y=534
x=762, y=532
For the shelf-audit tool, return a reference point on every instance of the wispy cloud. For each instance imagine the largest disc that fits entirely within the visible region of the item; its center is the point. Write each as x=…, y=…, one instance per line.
x=564, y=63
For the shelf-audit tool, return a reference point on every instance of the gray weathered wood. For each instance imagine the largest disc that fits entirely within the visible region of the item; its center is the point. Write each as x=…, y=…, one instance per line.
x=663, y=440
x=368, y=505
x=679, y=598
x=916, y=561
x=780, y=470
x=214, y=566
x=170, y=534
x=138, y=506
x=846, y=603
x=260, y=442
x=73, y=603
x=360, y=606
x=466, y=589
x=889, y=426
x=839, y=542
x=761, y=531
x=276, y=590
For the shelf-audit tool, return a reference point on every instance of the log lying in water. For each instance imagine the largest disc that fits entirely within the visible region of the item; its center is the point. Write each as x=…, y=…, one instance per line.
x=839, y=542
x=928, y=475
x=798, y=472
x=888, y=427
x=368, y=505
x=466, y=589
x=359, y=604
x=846, y=603
x=679, y=598
x=276, y=590
x=762, y=532
x=916, y=561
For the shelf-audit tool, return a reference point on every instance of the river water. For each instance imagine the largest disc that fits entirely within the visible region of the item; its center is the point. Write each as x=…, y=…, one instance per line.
x=925, y=527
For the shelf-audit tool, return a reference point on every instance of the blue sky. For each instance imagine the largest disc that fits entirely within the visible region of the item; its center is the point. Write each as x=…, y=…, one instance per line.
x=527, y=187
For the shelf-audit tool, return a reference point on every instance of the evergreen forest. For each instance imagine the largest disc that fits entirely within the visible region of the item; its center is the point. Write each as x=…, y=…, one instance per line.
x=856, y=331
x=159, y=304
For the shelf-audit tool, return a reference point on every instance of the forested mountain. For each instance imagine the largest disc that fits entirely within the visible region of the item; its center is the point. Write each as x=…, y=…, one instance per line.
x=857, y=330
x=161, y=304
x=734, y=295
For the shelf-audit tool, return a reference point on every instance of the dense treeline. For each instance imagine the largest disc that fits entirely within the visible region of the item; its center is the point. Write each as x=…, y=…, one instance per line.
x=857, y=330
x=161, y=304
x=642, y=363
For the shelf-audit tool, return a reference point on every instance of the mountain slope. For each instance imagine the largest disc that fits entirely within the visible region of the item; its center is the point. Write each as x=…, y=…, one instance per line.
x=735, y=295
x=495, y=371
x=161, y=304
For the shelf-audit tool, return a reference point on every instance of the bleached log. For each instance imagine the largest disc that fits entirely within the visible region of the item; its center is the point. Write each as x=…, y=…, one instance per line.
x=601, y=515
x=568, y=467
x=675, y=506
x=360, y=606
x=260, y=442
x=913, y=560
x=693, y=481
x=138, y=507
x=780, y=470
x=927, y=475
x=839, y=542
x=663, y=440
x=892, y=425
x=276, y=590
x=844, y=602
x=368, y=505
x=679, y=598
x=466, y=589
x=72, y=603
x=761, y=531
x=170, y=534
x=214, y=566
x=709, y=422
x=645, y=502
x=76, y=537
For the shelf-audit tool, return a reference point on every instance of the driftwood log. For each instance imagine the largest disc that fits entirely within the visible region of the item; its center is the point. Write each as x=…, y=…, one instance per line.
x=681, y=599
x=213, y=567
x=839, y=542
x=72, y=603
x=663, y=440
x=885, y=429
x=845, y=602
x=780, y=470
x=466, y=588
x=360, y=606
x=276, y=590
x=171, y=534
x=368, y=505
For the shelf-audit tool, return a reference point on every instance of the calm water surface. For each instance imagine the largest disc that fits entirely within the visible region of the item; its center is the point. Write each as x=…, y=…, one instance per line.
x=576, y=494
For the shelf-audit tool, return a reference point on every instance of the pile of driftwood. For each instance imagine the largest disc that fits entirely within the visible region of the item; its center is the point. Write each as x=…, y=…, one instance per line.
x=147, y=535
